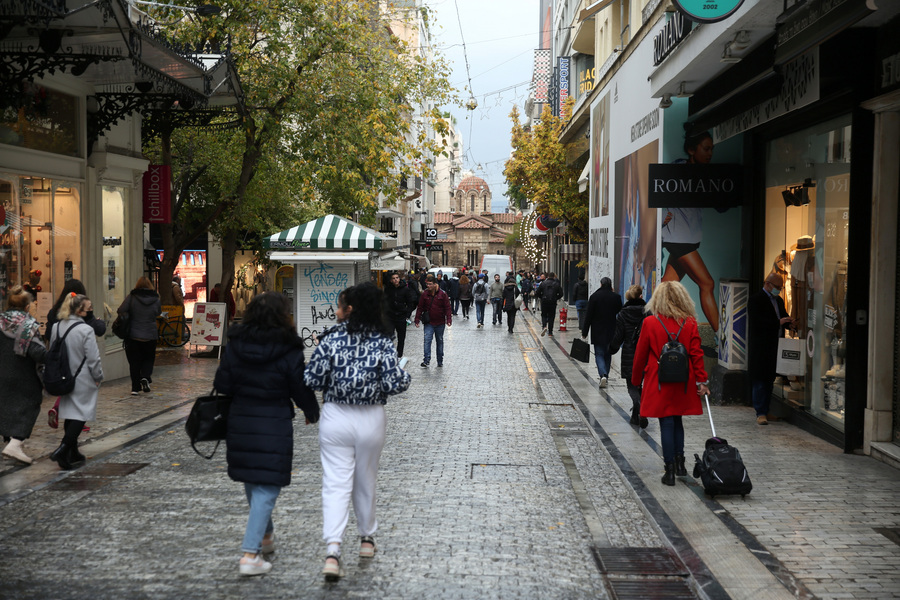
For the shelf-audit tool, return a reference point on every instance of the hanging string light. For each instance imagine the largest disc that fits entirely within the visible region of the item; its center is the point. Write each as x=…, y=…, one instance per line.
x=532, y=250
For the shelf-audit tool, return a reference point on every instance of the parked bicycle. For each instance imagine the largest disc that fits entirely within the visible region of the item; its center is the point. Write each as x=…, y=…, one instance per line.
x=173, y=331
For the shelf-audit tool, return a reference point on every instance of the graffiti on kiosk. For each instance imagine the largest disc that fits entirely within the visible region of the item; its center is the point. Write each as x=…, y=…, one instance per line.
x=319, y=314
x=324, y=284
x=309, y=337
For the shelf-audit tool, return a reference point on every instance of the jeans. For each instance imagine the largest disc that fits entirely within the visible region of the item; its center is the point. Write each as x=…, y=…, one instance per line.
x=437, y=332
x=671, y=433
x=141, y=356
x=262, y=501
x=548, y=315
x=454, y=305
x=761, y=393
x=479, y=310
x=581, y=307
x=602, y=358
x=497, y=315
x=400, y=330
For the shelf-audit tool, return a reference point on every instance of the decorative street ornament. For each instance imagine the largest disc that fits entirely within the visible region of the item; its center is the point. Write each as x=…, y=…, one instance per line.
x=706, y=11
x=472, y=103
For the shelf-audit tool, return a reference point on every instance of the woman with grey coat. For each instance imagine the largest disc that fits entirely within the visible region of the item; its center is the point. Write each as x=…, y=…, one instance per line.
x=141, y=306
x=80, y=405
x=21, y=351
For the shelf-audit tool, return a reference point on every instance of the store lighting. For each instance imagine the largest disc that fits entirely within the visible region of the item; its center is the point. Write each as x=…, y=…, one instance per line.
x=682, y=91
x=727, y=56
x=666, y=101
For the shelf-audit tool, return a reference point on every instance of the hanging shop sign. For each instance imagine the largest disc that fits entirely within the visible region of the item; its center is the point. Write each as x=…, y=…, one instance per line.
x=541, y=77
x=814, y=22
x=671, y=35
x=158, y=194
x=694, y=186
x=563, y=66
x=707, y=11
x=585, y=73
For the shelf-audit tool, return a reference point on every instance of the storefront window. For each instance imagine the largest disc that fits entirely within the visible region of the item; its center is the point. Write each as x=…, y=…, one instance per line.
x=115, y=199
x=41, y=119
x=807, y=225
x=40, y=239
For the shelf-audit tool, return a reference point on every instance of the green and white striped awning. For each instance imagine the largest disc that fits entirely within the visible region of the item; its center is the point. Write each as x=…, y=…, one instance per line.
x=330, y=232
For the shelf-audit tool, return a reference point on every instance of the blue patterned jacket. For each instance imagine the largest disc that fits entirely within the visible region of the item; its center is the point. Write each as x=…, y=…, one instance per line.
x=355, y=368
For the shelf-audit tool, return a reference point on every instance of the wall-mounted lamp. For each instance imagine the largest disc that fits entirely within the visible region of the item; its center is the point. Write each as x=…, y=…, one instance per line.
x=666, y=101
x=92, y=105
x=727, y=56
x=741, y=41
x=682, y=91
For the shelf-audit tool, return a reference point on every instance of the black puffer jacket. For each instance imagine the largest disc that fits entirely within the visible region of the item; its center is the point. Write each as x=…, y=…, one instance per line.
x=400, y=301
x=263, y=370
x=628, y=329
x=142, y=306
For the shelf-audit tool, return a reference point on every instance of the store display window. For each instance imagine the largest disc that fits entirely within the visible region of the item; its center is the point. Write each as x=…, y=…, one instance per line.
x=41, y=119
x=807, y=222
x=115, y=202
x=40, y=238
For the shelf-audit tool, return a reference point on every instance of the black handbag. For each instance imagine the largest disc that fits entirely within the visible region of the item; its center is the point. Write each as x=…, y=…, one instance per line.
x=122, y=325
x=580, y=351
x=208, y=421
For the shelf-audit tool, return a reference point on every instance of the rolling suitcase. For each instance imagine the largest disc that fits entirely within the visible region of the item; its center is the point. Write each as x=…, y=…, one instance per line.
x=721, y=469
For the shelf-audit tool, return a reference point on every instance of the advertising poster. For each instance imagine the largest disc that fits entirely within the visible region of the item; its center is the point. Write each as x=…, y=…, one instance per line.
x=600, y=157
x=210, y=320
x=636, y=222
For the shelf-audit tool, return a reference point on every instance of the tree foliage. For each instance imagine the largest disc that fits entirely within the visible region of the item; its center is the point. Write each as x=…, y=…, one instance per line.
x=330, y=119
x=538, y=171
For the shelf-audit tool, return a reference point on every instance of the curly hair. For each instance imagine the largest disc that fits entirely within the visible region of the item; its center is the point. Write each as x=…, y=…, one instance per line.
x=368, y=314
x=671, y=299
x=268, y=311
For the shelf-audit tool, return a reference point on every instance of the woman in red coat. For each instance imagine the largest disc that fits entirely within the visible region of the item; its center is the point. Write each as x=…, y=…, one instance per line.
x=670, y=309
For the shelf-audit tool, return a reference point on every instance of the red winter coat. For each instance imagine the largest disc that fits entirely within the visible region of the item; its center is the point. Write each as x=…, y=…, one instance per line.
x=673, y=399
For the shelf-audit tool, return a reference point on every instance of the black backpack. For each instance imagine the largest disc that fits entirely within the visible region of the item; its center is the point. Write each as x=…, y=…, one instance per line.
x=58, y=377
x=674, y=366
x=722, y=469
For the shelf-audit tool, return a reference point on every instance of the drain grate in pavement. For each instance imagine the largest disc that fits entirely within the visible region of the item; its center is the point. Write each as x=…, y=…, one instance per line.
x=96, y=476
x=638, y=561
x=891, y=533
x=642, y=589
x=508, y=473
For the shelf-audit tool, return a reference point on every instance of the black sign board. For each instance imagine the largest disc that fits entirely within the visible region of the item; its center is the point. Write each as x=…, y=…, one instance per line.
x=813, y=23
x=435, y=247
x=694, y=186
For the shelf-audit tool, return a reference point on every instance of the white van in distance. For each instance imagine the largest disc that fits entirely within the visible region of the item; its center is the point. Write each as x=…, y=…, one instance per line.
x=496, y=263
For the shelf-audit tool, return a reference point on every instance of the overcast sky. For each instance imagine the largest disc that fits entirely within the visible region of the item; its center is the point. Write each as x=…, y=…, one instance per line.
x=500, y=37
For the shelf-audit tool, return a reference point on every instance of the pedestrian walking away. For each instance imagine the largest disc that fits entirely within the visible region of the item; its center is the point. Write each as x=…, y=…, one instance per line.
x=496, y=295
x=767, y=320
x=400, y=301
x=434, y=313
x=453, y=293
x=671, y=319
x=141, y=307
x=80, y=405
x=600, y=320
x=465, y=295
x=480, y=293
x=356, y=368
x=527, y=286
x=580, y=296
x=628, y=329
x=510, y=293
x=21, y=351
x=549, y=292
x=262, y=369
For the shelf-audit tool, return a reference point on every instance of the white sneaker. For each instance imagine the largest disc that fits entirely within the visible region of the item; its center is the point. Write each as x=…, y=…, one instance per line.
x=603, y=382
x=14, y=450
x=255, y=566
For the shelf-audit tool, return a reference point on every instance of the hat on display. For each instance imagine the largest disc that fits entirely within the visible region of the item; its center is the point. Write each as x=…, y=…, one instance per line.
x=804, y=242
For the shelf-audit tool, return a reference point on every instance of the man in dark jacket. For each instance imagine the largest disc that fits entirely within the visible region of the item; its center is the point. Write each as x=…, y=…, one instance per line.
x=400, y=301
x=550, y=291
x=453, y=293
x=580, y=296
x=600, y=320
x=628, y=329
x=434, y=312
x=767, y=319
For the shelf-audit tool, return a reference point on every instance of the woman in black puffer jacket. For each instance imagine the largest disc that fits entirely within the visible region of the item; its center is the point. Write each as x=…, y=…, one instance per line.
x=628, y=330
x=262, y=369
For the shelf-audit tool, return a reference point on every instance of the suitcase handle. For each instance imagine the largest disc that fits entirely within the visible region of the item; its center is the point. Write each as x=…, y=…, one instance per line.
x=709, y=412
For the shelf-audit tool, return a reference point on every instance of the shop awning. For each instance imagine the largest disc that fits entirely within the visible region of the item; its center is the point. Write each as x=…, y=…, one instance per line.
x=330, y=232
x=334, y=257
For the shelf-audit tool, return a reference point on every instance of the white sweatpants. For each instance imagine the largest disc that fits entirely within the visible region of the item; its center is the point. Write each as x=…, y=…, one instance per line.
x=351, y=438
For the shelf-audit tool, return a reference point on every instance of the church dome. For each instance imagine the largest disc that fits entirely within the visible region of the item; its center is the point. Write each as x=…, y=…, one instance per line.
x=473, y=183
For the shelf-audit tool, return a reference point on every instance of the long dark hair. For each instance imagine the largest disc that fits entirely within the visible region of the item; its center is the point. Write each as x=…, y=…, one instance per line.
x=368, y=314
x=269, y=312
x=70, y=287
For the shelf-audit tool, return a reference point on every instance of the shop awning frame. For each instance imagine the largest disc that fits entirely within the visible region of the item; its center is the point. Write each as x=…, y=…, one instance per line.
x=330, y=232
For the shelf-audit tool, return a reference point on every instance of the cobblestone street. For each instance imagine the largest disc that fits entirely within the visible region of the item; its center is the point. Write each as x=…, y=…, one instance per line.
x=506, y=474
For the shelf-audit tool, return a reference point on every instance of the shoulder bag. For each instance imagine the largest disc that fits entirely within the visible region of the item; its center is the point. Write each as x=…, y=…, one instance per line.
x=208, y=421
x=122, y=325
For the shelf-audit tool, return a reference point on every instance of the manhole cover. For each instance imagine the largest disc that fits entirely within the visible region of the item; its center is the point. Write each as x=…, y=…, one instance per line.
x=639, y=561
x=645, y=589
x=508, y=473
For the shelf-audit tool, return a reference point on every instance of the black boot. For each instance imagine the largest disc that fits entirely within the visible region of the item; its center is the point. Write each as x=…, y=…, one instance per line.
x=680, y=470
x=76, y=458
x=635, y=415
x=61, y=457
x=669, y=477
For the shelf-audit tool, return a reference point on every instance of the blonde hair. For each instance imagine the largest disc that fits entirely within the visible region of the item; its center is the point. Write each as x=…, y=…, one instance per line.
x=71, y=305
x=671, y=299
x=634, y=292
x=18, y=298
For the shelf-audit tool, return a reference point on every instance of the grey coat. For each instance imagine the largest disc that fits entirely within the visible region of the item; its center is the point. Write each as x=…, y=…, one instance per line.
x=81, y=404
x=142, y=307
x=20, y=403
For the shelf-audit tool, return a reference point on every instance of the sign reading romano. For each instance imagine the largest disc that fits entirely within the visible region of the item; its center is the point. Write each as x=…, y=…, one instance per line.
x=708, y=11
x=694, y=186
x=677, y=28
